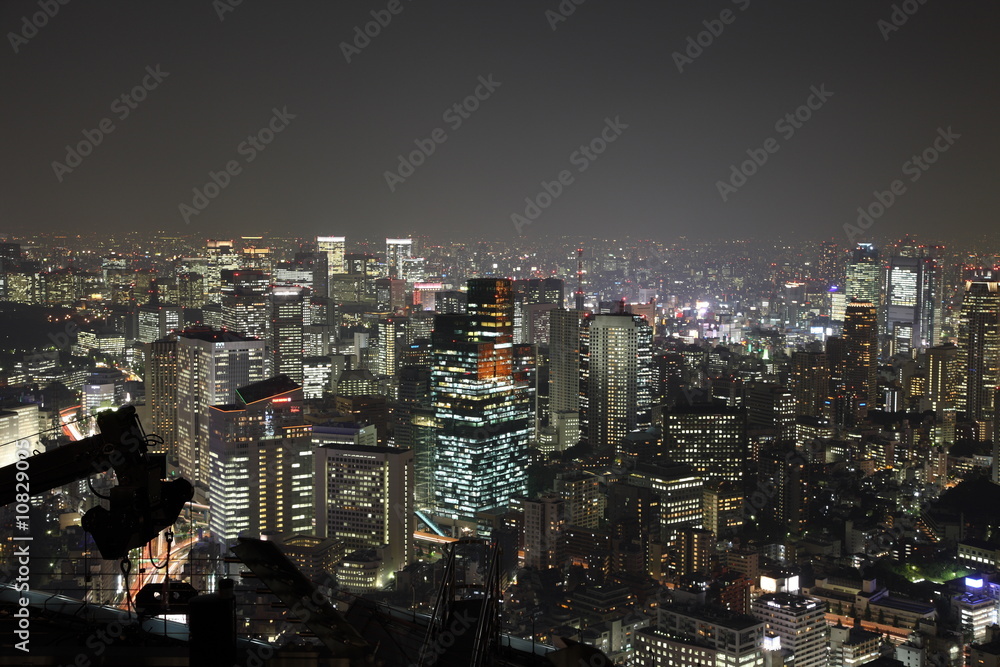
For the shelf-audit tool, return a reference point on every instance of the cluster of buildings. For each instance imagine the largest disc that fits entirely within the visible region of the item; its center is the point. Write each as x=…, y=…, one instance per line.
x=689, y=454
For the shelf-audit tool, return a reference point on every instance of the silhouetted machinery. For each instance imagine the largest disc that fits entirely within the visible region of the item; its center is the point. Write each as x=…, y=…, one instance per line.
x=141, y=505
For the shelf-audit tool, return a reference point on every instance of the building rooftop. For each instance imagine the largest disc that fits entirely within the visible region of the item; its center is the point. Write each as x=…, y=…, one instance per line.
x=269, y=388
x=211, y=335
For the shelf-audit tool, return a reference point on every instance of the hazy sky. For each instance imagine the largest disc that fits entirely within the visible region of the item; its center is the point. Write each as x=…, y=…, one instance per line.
x=677, y=134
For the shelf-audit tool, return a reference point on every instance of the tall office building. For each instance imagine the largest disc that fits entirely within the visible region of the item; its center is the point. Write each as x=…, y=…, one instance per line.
x=483, y=424
x=245, y=295
x=261, y=462
x=396, y=251
x=544, y=521
x=798, y=623
x=771, y=406
x=864, y=274
x=364, y=496
x=155, y=321
x=810, y=382
x=392, y=337
x=287, y=334
x=532, y=298
x=711, y=439
x=161, y=392
x=211, y=366
x=913, y=303
x=943, y=376
x=564, y=375
x=860, y=356
x=680, y=489
x=979, y=349
x=333, y=247
x=616, y=377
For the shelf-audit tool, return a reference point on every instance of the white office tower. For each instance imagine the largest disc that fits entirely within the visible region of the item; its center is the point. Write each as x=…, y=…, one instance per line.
x=288, y=319
x=261, y=461
x=396, y=252
x=364, y=496
x=616, y=373
x=211, y=366
x=799, y=623
x=333, y=248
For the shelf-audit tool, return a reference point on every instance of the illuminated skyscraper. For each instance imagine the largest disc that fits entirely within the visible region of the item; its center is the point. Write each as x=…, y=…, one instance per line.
x=396, y=251
x=864, y=274
x=861, y=356
x=333, y=247
x=913, y=302
x=245, y=302
x=616, y=377
x=211, y=365
x=287, y=335
x=979, y=349
x=364, y=496
x=261, y=462
x=711, y=439
x=161, y=392
x=482, y=419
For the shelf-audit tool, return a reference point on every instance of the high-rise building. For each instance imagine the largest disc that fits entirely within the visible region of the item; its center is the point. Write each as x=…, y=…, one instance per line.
x=913, y=302
x=810, y=382
x=245, y=302
x=211, y=366
x=161, y=392
x=584, y=501
x=364, y=496
x=680, y=490
x=979, y=349
x=333, y=247
x=861, y=356
x=396, y=251
x=156, y=321
x=616, y=377
x=261, y=462
x=392, y=336
x=287, y=332
x=943, y=376
x=864, y=273
x=564, y=373
x=483, y=424
x=771, y=406
x=798, y=623
x=544, y=520
x=711, y=439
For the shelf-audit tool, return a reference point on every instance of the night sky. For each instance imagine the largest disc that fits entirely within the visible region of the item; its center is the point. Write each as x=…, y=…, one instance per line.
x=325, y=171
